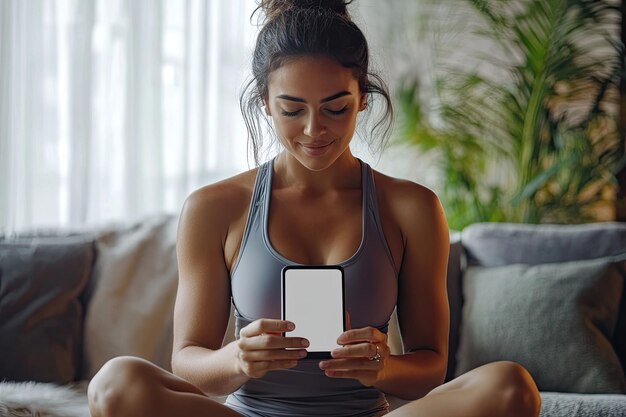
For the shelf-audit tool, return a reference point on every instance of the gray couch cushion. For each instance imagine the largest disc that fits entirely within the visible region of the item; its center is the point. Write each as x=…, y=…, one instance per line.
x=555, y=404
x=41, y=316
x=496, y=244
x=556, y=320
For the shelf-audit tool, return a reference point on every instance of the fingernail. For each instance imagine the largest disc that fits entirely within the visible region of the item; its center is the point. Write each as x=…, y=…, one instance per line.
x=305, y=342
x=291, y=326
x=334, y=352
x=323, y=364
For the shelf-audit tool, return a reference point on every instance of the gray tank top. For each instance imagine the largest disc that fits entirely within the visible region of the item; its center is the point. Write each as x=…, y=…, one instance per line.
x=370, y=297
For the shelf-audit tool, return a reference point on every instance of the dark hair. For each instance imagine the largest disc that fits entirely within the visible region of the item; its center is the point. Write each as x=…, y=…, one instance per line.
x=295, y=28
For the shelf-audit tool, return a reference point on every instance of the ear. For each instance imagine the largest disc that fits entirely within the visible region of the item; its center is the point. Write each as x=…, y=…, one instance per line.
x=266, y=107
x=362, y=102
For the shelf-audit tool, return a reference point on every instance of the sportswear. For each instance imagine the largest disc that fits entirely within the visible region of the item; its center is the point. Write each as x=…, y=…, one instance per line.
x=370, y=297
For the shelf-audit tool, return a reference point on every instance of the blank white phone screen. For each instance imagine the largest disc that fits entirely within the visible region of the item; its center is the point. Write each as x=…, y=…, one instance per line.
x=314, y=302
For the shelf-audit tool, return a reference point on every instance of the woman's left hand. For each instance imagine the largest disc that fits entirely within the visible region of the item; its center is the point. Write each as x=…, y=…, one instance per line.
x=362, y=356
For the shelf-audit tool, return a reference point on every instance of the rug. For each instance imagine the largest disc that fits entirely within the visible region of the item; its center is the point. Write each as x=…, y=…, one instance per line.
x=33, y=399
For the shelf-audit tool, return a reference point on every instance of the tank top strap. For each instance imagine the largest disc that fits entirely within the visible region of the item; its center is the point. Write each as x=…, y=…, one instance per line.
x=254, y=210
x=373, y=211
x=266, y=190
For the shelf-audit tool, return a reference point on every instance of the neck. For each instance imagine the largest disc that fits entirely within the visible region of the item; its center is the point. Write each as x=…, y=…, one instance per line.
x=345, y=172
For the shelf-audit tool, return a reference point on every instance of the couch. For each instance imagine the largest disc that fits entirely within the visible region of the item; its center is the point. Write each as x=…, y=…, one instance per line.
x=549, y=297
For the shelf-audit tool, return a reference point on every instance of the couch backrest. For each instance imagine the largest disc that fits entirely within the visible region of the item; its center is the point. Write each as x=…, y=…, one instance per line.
x=497, y=244
x=487, y=244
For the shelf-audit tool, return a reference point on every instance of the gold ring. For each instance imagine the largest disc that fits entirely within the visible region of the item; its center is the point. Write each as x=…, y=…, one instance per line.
x=377, y=356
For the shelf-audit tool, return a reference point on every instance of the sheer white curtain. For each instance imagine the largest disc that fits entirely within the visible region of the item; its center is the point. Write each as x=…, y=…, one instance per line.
x=115, y=109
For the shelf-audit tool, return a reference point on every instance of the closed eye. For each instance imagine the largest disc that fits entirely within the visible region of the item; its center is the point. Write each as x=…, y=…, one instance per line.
x=337, y=112
x=289, y=113
x=295, y=113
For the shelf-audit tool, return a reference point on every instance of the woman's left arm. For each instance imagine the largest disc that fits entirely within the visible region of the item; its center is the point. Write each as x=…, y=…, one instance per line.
x=422, y=309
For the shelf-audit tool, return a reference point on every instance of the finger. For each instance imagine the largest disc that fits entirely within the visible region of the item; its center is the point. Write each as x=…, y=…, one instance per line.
x=269, y=341
x=350, y=365
x=272, y=355
x=348, y=326
x=285, y=364
x=365, y=334
x=360, y=350
x=261, y=326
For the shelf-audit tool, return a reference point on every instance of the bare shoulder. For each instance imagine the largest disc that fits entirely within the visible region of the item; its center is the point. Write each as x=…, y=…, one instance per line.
x=411, y=205
x=226, y=190
x=223, y=200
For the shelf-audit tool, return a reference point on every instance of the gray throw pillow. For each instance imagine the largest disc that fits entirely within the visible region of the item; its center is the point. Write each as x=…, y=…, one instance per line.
x=556, y=320
x=41, y=316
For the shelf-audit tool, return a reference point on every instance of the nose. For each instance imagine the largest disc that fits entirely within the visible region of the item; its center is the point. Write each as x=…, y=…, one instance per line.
x=314, y=126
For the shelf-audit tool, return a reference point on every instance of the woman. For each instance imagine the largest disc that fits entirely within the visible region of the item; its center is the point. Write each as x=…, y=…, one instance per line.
x=315, y=204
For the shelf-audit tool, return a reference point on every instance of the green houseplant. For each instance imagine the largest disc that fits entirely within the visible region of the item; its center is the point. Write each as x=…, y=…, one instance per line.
x=540, y=143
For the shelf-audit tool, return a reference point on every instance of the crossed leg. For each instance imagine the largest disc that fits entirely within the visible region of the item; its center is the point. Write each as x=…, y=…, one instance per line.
x=133, y=387
x=494, y=390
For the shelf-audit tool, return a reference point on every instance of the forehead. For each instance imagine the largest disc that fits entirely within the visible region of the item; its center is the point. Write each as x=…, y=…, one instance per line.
x=311, y=77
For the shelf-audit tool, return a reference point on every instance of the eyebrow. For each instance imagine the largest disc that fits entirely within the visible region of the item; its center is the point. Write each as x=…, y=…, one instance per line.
x=324, y=100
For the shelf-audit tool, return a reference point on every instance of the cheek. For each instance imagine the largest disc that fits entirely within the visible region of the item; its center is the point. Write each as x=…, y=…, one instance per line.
x=287, y=128
x=344, y=126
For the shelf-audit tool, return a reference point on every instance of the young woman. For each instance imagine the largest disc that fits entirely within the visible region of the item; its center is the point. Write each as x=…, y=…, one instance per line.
x=315, y=204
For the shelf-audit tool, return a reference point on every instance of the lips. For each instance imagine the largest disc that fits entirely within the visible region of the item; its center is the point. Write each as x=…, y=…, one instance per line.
x=315, y=149
x=316, y=145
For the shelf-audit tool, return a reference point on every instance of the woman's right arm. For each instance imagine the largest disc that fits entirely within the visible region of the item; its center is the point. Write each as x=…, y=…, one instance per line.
x=202, y=307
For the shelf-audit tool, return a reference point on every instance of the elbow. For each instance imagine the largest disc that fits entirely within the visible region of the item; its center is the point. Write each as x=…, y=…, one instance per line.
x=430, y=376
x=182, y=359
x=175, y=363
x=440, y=369
x=443, y=368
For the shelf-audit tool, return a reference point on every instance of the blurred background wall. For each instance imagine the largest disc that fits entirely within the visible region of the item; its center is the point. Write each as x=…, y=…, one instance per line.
x=111, y=110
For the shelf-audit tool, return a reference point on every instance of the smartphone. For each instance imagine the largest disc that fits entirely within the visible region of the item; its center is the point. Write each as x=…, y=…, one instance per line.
x=313, y=299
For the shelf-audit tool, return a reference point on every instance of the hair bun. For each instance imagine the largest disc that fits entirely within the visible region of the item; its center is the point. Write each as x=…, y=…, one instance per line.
x=274, y=8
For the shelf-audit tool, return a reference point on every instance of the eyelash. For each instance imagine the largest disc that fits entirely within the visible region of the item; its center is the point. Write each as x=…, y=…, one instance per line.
x=338, y=112
x=289, y=113
x=295, y=113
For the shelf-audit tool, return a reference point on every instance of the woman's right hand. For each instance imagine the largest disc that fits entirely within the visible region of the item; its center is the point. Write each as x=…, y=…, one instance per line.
x=262, y=347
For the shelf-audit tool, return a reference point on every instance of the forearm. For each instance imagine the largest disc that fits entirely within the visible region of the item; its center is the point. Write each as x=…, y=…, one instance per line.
x=215, y=372
x=412, y=375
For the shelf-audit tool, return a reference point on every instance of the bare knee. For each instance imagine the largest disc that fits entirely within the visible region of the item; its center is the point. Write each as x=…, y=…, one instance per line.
x=120, y=385
x=518, y=391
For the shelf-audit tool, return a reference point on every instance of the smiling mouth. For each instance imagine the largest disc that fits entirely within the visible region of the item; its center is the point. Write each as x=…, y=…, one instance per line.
x=316, y=149
x=316, y=145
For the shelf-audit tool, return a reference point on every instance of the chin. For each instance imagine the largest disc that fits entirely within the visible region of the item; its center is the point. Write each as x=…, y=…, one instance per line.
x=316, y=164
